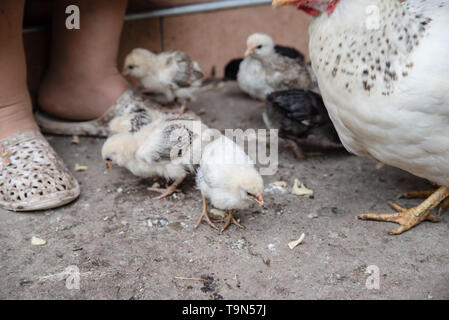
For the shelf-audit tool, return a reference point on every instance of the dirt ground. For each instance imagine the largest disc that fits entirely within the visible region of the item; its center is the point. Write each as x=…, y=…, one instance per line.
x=106, y=234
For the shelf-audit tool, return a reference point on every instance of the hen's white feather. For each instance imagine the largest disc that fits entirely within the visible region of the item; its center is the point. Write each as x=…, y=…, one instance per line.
x=387, y=88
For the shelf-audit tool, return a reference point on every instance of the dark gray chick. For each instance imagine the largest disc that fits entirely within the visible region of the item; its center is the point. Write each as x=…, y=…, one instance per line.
x=302, y=119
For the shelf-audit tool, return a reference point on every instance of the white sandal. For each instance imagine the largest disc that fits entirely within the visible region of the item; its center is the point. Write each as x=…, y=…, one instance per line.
x=32, y=175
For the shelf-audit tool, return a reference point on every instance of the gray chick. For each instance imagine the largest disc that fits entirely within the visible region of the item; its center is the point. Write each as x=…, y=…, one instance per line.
x=302, y=119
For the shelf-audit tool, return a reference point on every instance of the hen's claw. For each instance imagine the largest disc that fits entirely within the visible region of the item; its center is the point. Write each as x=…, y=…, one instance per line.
x=408, y=218
x=443, y=206
x=417, y=194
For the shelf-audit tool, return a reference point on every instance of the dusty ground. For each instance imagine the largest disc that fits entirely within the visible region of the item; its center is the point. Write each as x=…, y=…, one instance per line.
x=106, y=235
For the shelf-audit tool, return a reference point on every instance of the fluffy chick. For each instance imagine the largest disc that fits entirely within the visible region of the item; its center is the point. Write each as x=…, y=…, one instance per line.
x=228, y=179
x=232, y=68
x=134, y=121
x=301, y=118
x=164, y=148
x=266, y=69
x=172, y=74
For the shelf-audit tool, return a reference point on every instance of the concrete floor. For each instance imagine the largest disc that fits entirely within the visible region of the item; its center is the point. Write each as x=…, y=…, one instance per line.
x=105, y=233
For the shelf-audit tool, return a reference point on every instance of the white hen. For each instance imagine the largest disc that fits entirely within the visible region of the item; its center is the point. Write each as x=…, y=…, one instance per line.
x=166, y=148
x=172, y=74
x=228, y=178
x=383, y=71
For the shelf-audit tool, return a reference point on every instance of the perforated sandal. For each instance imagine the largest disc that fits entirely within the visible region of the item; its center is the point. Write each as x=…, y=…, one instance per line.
x=32, y=176
x=130, y=101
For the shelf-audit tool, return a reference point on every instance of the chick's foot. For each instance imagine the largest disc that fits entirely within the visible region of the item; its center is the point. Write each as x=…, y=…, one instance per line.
x=205, y=215
x=299, y=152
x=182, y=109
x=165, y=192
x=230, y=219
x=408, y=218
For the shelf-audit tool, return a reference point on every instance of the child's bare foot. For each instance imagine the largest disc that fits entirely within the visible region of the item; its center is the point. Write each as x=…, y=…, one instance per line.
x=16, y=117
x=82, y=80
x=80, y=97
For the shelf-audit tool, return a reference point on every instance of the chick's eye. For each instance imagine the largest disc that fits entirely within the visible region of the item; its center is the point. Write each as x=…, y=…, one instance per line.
x=259, y=46
x=108, y=159
x=130, y=67
x=249, y=194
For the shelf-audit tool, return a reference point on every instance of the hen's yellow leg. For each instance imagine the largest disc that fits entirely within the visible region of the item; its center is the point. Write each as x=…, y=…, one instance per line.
x=408, y=218
x=205, y=215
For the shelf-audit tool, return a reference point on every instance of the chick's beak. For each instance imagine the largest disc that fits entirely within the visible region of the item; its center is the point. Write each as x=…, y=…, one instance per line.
x=280, y=3
x=249, y=52
x=259, y=200
x=125, y=71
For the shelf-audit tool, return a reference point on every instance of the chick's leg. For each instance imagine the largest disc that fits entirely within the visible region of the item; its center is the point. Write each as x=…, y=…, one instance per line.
x=183, y=108
x=299, y=152
x=408, y=218
x=230, y=219
x=165, y=192
x=205, y=215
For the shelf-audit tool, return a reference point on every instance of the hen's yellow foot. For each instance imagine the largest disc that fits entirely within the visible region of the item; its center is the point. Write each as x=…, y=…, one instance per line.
x=443, y=206
x=408, y=218
x=424, y=194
